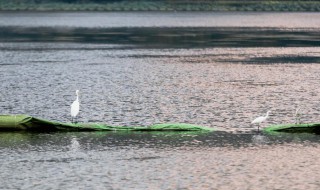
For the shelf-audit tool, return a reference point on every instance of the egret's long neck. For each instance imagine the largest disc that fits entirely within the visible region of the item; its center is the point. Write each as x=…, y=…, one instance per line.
x=77, y=97
x=267, y=114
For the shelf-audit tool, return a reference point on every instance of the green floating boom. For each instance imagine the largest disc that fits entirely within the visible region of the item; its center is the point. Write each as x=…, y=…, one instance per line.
x=294, y=128
x=29, y=123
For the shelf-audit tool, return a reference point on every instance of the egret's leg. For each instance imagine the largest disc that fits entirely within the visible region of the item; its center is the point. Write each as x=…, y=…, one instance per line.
x=76, y=120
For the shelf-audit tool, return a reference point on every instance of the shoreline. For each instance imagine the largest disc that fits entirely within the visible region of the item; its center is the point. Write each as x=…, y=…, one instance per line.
x=136, y=6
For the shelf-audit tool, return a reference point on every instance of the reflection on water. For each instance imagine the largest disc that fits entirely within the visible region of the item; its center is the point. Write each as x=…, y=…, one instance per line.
x=164, y=30
x=260, y=139
x=74, y=142
x=160, y=160
x=213, y=74
x=184, y=37
x=74, y=145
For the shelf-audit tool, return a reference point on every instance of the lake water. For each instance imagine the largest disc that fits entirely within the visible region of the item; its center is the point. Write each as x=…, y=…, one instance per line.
x=219, y=70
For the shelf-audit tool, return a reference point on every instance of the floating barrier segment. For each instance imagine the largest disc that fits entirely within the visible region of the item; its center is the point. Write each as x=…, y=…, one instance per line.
x=294, y=128
x=29, y=123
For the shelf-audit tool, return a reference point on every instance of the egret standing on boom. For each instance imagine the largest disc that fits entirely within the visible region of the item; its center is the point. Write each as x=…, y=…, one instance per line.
x=75, y=107
x=260, y=119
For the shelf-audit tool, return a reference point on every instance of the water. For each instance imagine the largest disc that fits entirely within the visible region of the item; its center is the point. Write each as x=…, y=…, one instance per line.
x=135, y=69
x=158, y=161
x=160, y=19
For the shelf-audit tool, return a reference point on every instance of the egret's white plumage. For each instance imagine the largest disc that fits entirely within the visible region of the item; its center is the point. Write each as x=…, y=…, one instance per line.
x=297, y=116
x=260, y=119
x=75, y=106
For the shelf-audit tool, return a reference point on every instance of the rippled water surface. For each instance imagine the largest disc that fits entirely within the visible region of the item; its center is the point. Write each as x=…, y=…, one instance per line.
x=160, y=19
x=217, y=70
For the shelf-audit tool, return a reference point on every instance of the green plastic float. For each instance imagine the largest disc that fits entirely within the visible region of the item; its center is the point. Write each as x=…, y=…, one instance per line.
x=294, y=128
x=29, y=123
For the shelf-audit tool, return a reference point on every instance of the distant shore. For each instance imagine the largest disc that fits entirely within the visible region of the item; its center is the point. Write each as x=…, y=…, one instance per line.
x=135, y=5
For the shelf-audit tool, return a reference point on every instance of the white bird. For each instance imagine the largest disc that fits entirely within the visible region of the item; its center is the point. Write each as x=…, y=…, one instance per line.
x=75, y=107
x=297, y=116
x=260, y=119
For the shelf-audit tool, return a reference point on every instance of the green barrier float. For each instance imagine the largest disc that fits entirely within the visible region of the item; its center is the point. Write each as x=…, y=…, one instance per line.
x=294, y=128
x=29, y=123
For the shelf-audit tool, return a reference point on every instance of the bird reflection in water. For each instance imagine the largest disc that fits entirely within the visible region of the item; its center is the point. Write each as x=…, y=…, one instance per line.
x=260, y=139
x=74, y=144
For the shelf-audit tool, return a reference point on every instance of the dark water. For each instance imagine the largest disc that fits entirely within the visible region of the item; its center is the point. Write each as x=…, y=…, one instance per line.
x=214, y=69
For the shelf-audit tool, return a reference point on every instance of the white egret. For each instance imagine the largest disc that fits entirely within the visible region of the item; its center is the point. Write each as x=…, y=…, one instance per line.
x=260, y=119
x=297, y=116
x=75, y=107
